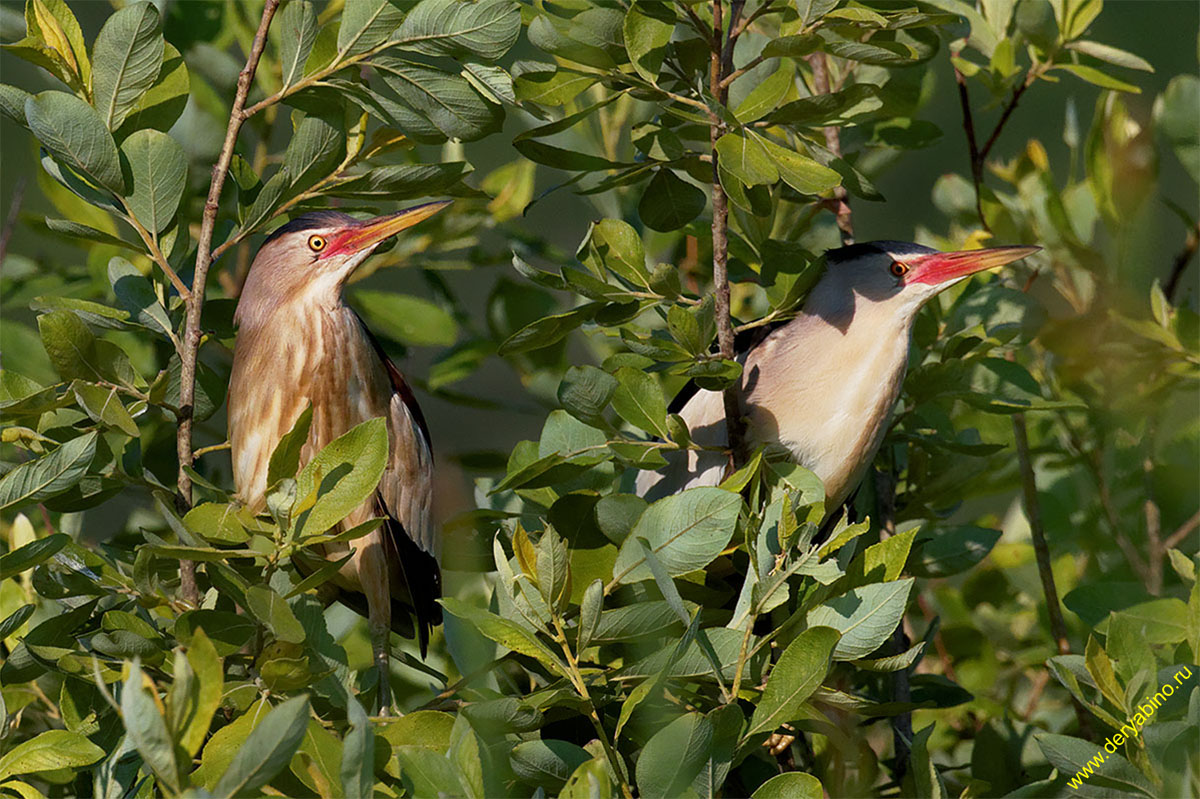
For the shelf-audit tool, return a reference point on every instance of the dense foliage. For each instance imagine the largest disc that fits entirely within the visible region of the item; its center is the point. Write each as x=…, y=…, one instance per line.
x=708, y=643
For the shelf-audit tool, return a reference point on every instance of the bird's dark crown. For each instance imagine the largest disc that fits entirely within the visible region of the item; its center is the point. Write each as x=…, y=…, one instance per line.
x=312, y=220
x=853, y=252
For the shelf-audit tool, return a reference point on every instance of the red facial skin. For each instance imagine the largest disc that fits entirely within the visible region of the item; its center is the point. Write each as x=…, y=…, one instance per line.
x=367, y=234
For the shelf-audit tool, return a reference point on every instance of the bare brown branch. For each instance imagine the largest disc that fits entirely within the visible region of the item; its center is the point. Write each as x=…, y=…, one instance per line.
x=734, y=425
x=195, y=304
x=1182, y=260
x=833, y=141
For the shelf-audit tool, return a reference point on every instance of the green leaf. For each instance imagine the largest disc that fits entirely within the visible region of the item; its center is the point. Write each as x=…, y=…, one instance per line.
x=271, y=610
x=494, y=83
x=136, y=295
x=548, y=330
x=800, y=670
x=366, y=24
x=485, y=28
x=49, y=475
x=51, y=24
x=946, y=552
x=799, y=171
x=29, y=555
x=104, y=406
x=404, y=181
x=768, y=94
x=267, y=750
x=285, y=460
x=157, y=177
x=639, y=400
x=865, y=616
x=547, y=763
x=147, y=729
x=1110, y=54
x=792, y=785
x=427, y=773
x=76, y=135
x=615, y=245
x=647, y=29
x=315, y=149
x=835, y=108
x=670, y=202
x=504, y=632
x=345, y=474
x=585, y=392
x=12, y=103
x=1176, y=112
x=590, y=611
x=47, y=751
x=407, y=319
x=746, y=159
x=192, y=717
x=164, y=101
x=128, y=54
x=296, y=29
x=1098, y=78
x=686, y=532
x=549, y=86
x=1070, y=755
x=448, y=101
x=358, y=753
x=673, y=757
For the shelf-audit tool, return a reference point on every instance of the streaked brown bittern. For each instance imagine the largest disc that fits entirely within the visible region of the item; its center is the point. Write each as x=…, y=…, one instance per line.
x=298, y=344
x=823, y=385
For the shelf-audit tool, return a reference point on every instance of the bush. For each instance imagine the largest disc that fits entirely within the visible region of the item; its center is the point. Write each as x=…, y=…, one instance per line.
x=718, y=641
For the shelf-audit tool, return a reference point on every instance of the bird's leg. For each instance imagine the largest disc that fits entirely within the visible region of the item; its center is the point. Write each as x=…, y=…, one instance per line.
x=372, y=572
x=380, y=639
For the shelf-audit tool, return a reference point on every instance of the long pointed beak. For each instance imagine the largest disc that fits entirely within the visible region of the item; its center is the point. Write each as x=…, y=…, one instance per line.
x=947, y=267
x=367, y=234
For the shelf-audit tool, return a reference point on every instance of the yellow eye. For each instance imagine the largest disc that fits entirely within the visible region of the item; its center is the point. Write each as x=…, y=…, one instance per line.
x=898, y=269
x=316, y=243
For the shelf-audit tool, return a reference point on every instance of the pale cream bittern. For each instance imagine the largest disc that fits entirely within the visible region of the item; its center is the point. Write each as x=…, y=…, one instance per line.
x=823, y=385
x=298, y=344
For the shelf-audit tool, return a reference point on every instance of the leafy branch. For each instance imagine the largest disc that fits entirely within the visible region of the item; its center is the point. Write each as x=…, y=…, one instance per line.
x=195, y=303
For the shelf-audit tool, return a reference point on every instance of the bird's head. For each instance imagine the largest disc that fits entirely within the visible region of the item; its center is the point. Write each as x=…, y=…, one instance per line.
x=898, y=277
x=315, y=253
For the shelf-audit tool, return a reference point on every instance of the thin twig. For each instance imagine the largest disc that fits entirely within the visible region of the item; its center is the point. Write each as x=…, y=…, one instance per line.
x=740, y=71
x=734, y=425
x=902, y=732
x=833, y=142
x=1181, y=261
x=1176, y=538
x=1041, y=551
x=964, y=102
x=156, y=255
x=10, y=221
x=195, y=304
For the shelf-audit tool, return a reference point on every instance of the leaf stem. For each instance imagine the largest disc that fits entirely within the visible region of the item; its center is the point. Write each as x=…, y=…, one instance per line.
x=576, y=677
x=195, y=302
x=151, y=242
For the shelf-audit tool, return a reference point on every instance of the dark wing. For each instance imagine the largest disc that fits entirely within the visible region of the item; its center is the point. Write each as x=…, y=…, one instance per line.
x=743, y=342
x=406, y=501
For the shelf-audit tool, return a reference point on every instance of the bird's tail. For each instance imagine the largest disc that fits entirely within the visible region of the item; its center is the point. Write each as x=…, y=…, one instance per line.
x=419, y=580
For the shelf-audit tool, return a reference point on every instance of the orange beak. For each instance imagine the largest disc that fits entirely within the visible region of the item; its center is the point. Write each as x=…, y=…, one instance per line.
x=943, y=267
x=367, y=234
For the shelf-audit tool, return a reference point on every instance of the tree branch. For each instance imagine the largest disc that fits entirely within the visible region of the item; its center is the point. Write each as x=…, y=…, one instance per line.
x=734, y=426
x=1033, y=512
x=833, y=141
x=195, y=304
x=1176, y=538
x=1181, y=261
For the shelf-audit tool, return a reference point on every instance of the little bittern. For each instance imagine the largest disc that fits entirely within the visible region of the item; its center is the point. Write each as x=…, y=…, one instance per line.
x=823, y=385
x=299, y=344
